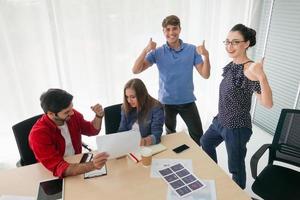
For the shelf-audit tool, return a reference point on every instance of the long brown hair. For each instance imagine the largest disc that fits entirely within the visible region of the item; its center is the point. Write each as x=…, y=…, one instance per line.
x=144, y=100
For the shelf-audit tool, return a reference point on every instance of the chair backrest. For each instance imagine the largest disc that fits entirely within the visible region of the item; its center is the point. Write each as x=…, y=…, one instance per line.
x=112, y=116
x=21, y=131
x=286, y=142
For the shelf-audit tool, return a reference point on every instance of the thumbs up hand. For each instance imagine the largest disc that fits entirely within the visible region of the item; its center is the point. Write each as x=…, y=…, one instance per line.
x=202, y=50
x=151, y=46
x=256, y=69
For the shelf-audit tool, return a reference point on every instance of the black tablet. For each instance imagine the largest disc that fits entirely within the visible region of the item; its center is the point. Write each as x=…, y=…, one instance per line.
x=51, y=190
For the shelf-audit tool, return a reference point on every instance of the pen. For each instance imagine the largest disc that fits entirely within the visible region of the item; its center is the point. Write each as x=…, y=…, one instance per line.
x=90, y=158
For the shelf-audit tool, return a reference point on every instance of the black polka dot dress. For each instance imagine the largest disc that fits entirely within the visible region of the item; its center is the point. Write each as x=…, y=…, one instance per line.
x=235, y=95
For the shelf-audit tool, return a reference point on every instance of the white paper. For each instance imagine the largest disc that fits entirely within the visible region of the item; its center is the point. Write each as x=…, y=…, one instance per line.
x=15, y=197
x=96, y=173
x=182, y=181
x=207, y=193
x=119, y=144
x=158, y=164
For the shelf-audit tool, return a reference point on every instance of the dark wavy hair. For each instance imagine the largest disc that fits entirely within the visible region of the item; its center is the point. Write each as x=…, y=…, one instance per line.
x=55, y=100
x=145, y=101
x=249, y=34
x=171, y=20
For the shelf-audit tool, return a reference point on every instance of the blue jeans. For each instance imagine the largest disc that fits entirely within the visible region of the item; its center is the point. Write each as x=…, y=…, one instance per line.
x=235, y=141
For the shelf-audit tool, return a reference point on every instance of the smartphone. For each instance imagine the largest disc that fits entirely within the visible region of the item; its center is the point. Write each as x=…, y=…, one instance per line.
x=86, y=157
x=51, y=190
x=181, y=148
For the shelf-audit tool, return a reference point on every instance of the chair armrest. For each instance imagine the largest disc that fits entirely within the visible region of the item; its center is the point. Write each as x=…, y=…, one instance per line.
x=86, y=147
x=255, y=158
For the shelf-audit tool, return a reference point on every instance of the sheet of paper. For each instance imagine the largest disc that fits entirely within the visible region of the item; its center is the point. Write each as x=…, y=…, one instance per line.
x=15, y=197
x=158, y=164
x=181, y=180
x=119, y=144
x=207, y=193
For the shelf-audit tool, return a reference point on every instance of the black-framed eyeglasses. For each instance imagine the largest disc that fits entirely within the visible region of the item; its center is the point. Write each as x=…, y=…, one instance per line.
x=233, y=42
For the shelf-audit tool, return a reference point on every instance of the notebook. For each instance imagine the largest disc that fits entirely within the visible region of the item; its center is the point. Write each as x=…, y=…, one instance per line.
x=157, y=148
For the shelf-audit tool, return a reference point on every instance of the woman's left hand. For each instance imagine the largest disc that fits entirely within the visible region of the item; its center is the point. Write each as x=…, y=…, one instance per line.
x=147, y=141
x=256, y=69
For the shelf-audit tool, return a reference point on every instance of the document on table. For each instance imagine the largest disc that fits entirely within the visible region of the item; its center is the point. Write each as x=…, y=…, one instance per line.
x=181, y=180
x=15, y=197
x=207, y=193
x=119, y=144
x=157, y=164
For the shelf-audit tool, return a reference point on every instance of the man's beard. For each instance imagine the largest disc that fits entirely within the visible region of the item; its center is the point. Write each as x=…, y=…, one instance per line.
x=61, y=120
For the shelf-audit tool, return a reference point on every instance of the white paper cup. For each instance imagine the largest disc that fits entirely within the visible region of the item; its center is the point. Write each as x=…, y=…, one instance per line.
x=146, y=154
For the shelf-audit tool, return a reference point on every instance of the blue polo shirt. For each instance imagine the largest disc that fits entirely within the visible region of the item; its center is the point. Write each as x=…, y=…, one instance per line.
x=175, y=72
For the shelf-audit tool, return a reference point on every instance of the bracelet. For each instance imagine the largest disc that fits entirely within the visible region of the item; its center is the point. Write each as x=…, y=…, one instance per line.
x=99, y=116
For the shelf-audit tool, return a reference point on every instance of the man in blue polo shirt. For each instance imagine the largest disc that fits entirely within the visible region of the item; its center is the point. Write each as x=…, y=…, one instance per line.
x=175, y=61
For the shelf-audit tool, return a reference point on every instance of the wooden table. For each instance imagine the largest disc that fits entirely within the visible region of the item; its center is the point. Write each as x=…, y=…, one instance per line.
x=125, y=179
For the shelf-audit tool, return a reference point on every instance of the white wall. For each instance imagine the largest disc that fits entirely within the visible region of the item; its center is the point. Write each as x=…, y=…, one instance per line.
x=88, y=47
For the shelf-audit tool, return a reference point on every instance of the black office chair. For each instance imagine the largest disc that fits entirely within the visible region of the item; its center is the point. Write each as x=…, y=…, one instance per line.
x=112, y=116
x=21, y=132
x=278, y=182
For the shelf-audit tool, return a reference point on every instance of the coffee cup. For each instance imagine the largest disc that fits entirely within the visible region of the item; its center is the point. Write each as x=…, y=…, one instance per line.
x=146, y=154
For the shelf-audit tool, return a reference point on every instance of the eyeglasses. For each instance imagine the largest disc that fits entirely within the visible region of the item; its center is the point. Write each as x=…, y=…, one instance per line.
x=233, y=42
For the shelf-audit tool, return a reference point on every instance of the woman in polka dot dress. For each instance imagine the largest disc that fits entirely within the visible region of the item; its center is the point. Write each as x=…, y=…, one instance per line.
x=241, y=78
